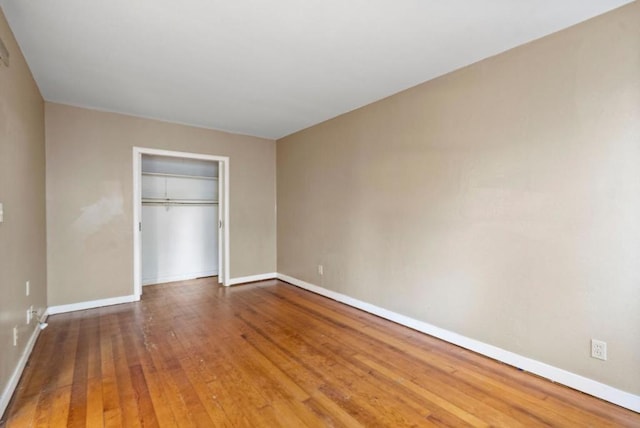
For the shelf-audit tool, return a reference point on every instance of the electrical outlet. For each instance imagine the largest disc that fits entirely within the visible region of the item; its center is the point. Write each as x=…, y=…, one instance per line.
x=28, y=285
x=320, y=270
x=30, y=314
x=599, y=349
x=15, y=336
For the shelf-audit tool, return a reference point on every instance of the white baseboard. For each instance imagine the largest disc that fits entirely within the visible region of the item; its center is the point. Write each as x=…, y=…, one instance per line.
x=17, y=373
x=572, y=380
x=252, y=278
x=80, y=306
x=181, y=277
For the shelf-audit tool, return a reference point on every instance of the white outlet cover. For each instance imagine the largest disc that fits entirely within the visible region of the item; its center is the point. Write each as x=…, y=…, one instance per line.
x=599, y=349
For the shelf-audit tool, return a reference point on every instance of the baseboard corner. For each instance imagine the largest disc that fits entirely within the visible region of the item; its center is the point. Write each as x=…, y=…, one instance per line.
x=252, y=278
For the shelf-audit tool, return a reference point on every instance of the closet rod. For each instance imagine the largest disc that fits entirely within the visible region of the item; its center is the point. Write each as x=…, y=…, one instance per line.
x=177, y=203
x=163, y=174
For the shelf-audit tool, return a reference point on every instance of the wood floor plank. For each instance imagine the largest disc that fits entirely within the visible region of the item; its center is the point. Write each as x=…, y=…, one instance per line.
x=94, y=415
x=158, y=396
x=60, y=407
x=112, y=414
x=178, y=408
x=267, y=354
x=78, y=404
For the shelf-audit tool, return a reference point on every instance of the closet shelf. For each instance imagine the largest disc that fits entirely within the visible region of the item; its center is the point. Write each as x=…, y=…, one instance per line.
x=157, y=201
x=162, y=174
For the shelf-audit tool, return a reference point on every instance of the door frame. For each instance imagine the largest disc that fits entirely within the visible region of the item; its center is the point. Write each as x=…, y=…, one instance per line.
x=223, y=211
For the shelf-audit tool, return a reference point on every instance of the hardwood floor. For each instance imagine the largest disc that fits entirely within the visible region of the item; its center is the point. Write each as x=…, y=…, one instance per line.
x=269, y=354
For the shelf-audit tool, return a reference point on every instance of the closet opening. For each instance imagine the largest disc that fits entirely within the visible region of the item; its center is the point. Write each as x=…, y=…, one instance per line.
x=180, y=217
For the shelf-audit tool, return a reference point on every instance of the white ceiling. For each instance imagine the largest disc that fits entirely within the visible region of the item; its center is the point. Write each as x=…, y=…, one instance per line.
x=265, y=68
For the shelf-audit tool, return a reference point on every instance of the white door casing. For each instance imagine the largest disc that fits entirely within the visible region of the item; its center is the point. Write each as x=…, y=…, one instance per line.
x=223, y=210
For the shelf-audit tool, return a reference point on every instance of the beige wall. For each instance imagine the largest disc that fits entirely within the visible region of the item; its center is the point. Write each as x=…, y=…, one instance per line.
x=501, y=201
x=89, y=198
x=22, y=191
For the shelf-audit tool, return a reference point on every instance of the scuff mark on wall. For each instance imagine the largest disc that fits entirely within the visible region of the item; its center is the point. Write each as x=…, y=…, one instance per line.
x=100, y=213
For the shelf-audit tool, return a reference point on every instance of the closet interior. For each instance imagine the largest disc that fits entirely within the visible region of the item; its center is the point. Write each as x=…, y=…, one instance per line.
x=179, y=218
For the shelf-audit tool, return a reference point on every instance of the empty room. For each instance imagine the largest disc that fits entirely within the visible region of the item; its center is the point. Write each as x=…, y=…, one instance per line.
x=320, y=213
